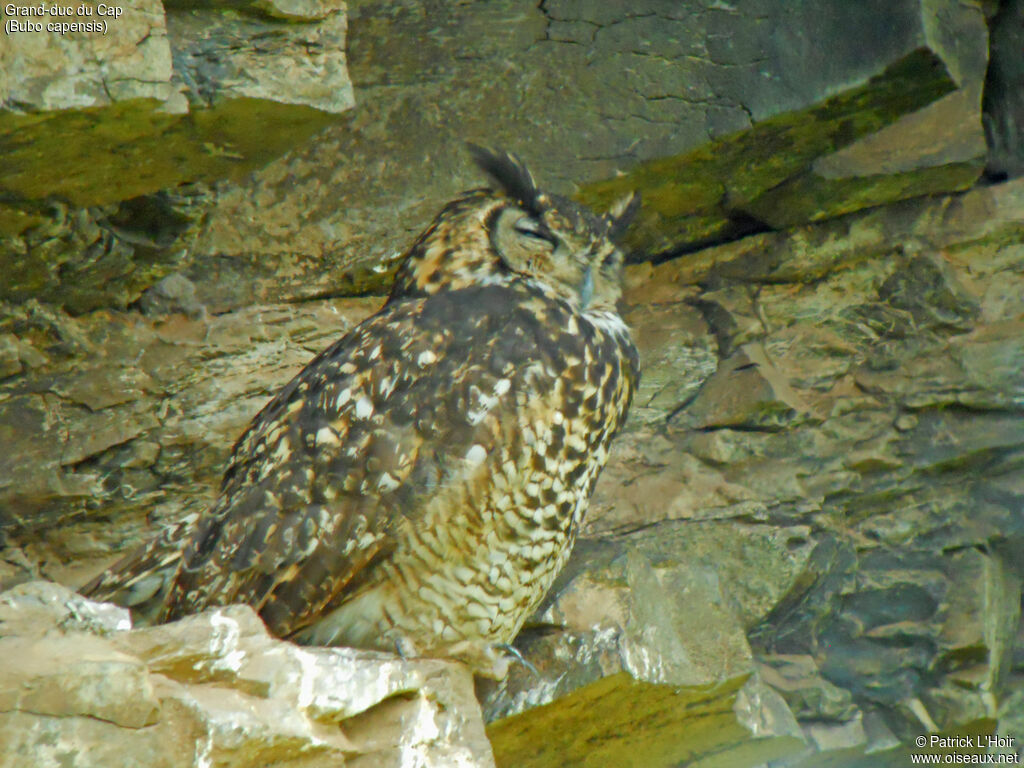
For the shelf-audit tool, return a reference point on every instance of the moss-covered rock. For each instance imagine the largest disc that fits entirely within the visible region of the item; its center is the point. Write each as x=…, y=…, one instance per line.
x=718, y=191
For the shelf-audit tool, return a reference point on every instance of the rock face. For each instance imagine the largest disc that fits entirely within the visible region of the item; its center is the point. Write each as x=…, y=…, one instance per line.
x=648, y=83
x=812, y=111
x=157, y=99
x=837, y=506
x=1004, y=92
x=152, y=400
x=79, y=688
x=805, y=550
x=819, y=411
x=97, y=115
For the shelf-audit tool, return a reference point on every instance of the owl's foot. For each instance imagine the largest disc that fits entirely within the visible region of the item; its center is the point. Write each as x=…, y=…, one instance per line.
x=516, y=656
x=405, y=648
x=493, y=660
x=483, y=659
x=490, y=660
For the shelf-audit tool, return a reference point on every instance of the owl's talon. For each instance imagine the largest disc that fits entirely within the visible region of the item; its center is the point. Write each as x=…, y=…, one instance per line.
x=517, y=656
x=405, y=649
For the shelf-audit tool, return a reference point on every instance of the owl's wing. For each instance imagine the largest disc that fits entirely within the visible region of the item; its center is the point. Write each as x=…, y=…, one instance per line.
x=395, y=413
x=141, y=579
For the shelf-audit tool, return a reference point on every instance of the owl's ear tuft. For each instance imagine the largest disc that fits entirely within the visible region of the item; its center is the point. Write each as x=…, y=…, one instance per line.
x=510, y=173
x=622, y=213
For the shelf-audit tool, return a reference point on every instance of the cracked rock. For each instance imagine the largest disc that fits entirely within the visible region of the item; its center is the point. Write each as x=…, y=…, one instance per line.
x=215, y=689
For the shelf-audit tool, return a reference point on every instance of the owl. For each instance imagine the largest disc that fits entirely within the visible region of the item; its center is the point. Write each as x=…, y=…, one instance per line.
x=418, y=486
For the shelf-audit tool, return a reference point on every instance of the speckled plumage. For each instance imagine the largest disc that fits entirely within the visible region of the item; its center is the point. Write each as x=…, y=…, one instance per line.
x=420, y=483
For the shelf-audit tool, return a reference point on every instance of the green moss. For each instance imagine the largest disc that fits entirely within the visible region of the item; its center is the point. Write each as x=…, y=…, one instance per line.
x=15, y=219
x=257, y=8
x=1003, y=236
x=625, y=722
x=696, y=196
x=101, y=155
x=95, y=157
x=809, y=197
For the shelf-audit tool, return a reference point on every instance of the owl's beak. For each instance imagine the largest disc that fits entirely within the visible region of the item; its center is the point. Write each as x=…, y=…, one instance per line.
x=586, y=289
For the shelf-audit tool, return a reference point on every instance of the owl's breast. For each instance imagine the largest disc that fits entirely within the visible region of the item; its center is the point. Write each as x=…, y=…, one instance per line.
x=503, y=473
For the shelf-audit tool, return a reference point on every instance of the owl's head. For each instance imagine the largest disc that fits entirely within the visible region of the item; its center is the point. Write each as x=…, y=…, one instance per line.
x=517, y=231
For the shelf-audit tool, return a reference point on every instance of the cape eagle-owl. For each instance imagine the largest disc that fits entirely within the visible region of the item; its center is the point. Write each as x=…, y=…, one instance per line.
x=420, y=483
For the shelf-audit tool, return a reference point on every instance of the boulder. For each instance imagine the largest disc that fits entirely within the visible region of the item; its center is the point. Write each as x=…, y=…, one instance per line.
x=80, y=688
x=135, y=101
